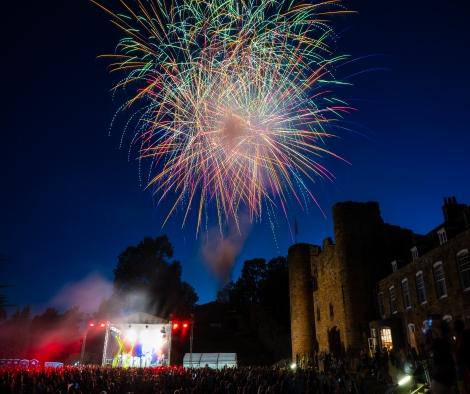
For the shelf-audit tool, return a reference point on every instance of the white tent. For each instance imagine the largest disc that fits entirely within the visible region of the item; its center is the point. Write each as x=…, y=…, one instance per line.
x=211, y=360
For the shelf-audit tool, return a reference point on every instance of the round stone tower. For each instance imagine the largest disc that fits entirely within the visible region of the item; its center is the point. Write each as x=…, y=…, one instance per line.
x=359, y=247
x=301, y=300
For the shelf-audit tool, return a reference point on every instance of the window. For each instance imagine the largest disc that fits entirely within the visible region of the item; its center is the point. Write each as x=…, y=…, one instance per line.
x=442, y=236
x=463, y=264
x=381, y=304
x=394, y=266
x=318, y=313
x=386, y=338
x=405, y=291
x=373, y=333
x=393, y=299
x=412, y=335
x=315, y=280
x=440, y=280
x=414, y=252
x=332, y=313
x=420, y=287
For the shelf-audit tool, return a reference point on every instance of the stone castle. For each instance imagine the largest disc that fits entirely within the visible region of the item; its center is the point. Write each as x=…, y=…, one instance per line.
x=333, y=287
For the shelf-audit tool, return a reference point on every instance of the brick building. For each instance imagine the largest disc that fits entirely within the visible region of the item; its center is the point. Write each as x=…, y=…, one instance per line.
x=334, y=288
x=432, y=283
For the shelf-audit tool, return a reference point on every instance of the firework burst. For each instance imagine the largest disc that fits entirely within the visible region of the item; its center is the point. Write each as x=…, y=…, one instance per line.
x=234, y=100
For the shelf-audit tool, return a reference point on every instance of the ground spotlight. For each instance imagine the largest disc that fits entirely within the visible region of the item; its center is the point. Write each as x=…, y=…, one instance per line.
x=293, y=366
x=404, y=380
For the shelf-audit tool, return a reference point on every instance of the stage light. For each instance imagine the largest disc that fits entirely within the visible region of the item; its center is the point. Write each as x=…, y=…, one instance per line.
x=293, y=366
x=102, y=325
x=175, y=326
x=131, y=336
x=185, y=325
x=91, y=324
x=404, y=380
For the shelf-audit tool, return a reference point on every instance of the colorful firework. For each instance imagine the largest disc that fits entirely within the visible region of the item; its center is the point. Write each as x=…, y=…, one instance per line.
x=234, y=100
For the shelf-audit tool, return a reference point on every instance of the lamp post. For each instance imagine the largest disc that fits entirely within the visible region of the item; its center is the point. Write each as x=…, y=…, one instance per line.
x=191, y=341
x=82, y=355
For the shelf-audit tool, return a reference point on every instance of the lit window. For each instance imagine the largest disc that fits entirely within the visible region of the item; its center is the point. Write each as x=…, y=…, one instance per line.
x=440, y=280
x=393, y=299
x=463, y=264
x=420, y=287
x=442, y=236
x=394, y=266
x=405, y=290
x=381, y=304
x=414, y=252
x=386, y=338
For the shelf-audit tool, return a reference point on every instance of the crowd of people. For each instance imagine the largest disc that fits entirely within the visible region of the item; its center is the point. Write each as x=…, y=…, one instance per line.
x=334, y=375
x=443, y=365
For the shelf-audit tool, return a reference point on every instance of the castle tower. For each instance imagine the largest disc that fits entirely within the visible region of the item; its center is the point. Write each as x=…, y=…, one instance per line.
x=301, y=299
x=359, y=234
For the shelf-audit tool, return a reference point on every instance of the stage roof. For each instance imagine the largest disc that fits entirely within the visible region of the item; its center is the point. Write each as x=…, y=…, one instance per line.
x=141, y=318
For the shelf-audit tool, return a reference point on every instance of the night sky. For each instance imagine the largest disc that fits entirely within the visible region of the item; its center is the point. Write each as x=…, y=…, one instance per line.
x=71, y=200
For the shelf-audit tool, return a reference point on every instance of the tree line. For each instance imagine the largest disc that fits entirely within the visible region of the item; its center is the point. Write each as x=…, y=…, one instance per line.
x=147, y=279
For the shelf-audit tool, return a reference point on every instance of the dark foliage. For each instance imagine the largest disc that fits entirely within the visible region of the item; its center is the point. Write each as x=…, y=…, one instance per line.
x=263, y=284
x=50, y=336
x=150, y=282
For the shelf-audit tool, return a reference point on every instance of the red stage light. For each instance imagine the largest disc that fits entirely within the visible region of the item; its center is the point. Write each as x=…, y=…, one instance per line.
x=102, y=325
x=175, y=326
x=91, y=324
x=185, y=325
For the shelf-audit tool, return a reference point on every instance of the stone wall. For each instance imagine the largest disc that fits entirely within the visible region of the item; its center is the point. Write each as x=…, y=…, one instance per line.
x=301, y=300
x=330, y=323
x=343, y=279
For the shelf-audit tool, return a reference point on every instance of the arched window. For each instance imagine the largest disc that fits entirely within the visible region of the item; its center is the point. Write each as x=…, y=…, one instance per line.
x=405, y=290
x=393, y=299
x=440, y=280
x=463, y=265
x=420, y=288
x=315, y=279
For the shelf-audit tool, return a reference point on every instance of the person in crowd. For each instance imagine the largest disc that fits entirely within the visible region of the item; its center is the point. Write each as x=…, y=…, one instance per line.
x=443, y=372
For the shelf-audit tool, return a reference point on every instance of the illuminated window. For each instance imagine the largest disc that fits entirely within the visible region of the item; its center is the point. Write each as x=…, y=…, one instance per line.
x=386, y=338
x=442, y=236
x=463, y=264
x=393, y=299
x=405, y=291
x=394, y=266
x=420, y=287
x=440, y=280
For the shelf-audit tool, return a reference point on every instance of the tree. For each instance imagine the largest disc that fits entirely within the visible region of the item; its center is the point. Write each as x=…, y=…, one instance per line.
x=248, y=287
x=275, y=291
x=261, y=283
x=148, y=282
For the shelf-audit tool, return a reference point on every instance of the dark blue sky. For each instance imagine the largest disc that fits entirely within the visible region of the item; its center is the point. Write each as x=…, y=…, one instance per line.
x=71, y=201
